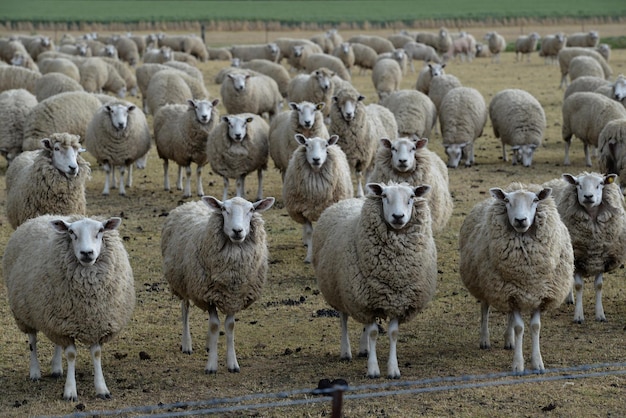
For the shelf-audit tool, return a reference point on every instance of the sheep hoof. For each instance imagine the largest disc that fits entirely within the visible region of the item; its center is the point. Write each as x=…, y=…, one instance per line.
x=55, y=375
x=373, y=376
x=234, y=370
x=210, y=371
x=508, y=346
x=188, y=352
x=485, y=346
x=186, y=196
x=363, y=354
x=602, y=319
x=103, y=396
x=72, y=398
x=579, y=321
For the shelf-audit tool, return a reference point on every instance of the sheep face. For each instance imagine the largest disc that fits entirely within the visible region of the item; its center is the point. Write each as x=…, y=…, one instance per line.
x=437, y=69
x=297, y=50
x=119, y=115
x=203, y=109
x=619, y=89
x=64, y=156
x=589, y=188
x=524, y=154
x=239, y=81
x=403, y=152
x=323, y=79
x=345, y=48
x=237, y=213
x=347, y=105
x=274, y=50
x=86, y=236
x=454, y=153
x=316, y=149
x=237, y=127
x=110, y=51
x=18, y=60
x=306, y=112
x=397, y=201
x=521, y=206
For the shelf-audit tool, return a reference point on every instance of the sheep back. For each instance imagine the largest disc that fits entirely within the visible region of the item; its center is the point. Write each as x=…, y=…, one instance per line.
x=586, y=113
x=415, y=113
x=15, y=105
x=463, y=115
x=517, y=117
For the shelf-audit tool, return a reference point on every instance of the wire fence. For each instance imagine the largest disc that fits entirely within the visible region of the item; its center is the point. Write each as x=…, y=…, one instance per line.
x=339, y=392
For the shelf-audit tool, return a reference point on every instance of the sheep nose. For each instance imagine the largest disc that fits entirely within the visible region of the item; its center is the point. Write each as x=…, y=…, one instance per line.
x=86, y=255
x=308, y=124
x=72, y=169
x=397, y=216
x=520, y=221
x=402, y=162
x=588, y=198
x=316, y=161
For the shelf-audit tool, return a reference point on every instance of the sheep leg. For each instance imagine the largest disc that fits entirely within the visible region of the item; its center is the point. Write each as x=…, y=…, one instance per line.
x=599, y=308
x=346, y=351
x=307, y=238
x=469, y=154
x=231, y=356
x=259, y=192
x=504, y=156
x=186, y=345
x=509, y=333
x=70, y=393
x=122, y=169
x=587, y=155
x=363, y=344
x=142, y=161
x=536, y=362
x=484, y=325
x=359, y=190
x=579, y=316
x=240, y=186
x=179, y=179
x=568, y=142
x=570, y=297
x=35, y=369
x=214, y=332
x=373, y=371
x=57, y=361
x=129, y=178
x=166, y=178
x=107, y=174
x=102, y=391
x=393, y=371
x=187, y=192
x=518, y=356
x=199, y=188
x=225, y=195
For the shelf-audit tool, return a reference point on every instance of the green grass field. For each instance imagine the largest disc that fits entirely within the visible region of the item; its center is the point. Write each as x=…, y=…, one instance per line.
x=301, y=11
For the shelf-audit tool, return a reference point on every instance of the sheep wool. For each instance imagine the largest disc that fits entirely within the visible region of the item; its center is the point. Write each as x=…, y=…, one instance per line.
x=15, y=105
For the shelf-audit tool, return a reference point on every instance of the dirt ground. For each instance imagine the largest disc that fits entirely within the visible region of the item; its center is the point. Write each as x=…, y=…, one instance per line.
x=289, y=340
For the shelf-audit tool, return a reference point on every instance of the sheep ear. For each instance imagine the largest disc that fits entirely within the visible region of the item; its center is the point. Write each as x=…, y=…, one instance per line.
x=333, y=140
x=107, y=108
x=610, y=178
x=224, y=119
x=320, y=106
x=112, y=223
x=249, y=119
x=293, y=105
x=570, y=179
x=385, y=142
x=497, y=193
x=515, y=147
x=543, y=194
x=375, y=188
x=421, y=142
x=46, y=143
x=191, y=103
x=60, y=226
x=131, y=108
x=360, y=98
x=300, y=138
x=421, y=190
x=215, y=102
x=212, y=203
x=264, y=204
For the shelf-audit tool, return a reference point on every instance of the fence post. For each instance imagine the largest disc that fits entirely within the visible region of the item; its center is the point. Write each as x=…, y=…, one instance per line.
x=337, y=402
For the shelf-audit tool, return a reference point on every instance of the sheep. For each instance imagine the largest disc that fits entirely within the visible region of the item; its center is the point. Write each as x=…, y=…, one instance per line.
x=386, y=76
x=195, y=46
x=48, y=181
x=462, y=116
x=584, y=115
x=166, y=87
x=585, y=83
x=184, y=57
x=270, y=69
x=399, y=55
x=399, y=39
x=180, y=134
x=516, y=256
x=15, y=105
x=426, y=75
x=359, y=128
x=318, y=175
x=145, y=72
x=316, y=87
x=37, y=45
x=22, y=59
x=591, y=205
x=584, y=66
x=64, y=112
x=345, y=53
x=173, y=41
x=615, y=90
x=519, y=120
x=335, y=37
x=79, y=286
x=440, y=86
x=299, y=55
x=407, y=159
x=96, y=75
x=54, y=83
x=334, y=64
x=420, y=52
x=580, y=39
x=12, y=77
x=215, y=255
x=304, y=118
x=526, y=45
x=236, y=147
x=285, y=46
x=158, y=55
x=377, y=43
x=612, y=148
x=10, y=47
x=440, y=41
x=117, y=136
x=482, y=51
x=550, y=47
x=324, y=42
x=219, y=54
x=140, y=43
x=414, y=112
x=126, y=73
x=497, y=45
x=375, y=258
x=605, y=51
x=565, y=55
x=60, y=65
x=251, y=93
x=79, y=49
x=463, y=46
x=270, y=52
x=364, y=57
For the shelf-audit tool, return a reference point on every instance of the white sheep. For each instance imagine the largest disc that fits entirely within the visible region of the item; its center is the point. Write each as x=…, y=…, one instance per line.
x=496, y=44
x=316, y=87
x=583, y=39
x=526, y=45
x=251, y=93
x=516, y=256
x=145, y=72
x=37, y=44
x=584, y=115
x=426, y=74
x=12, y=77
x=345, y=53
x=117, y=136
x=615, y=90
x=127, y=50
x=583, y=65
x=215, y=255
x=304, y=118
x=219, y=53
x=167, y=87
x=334, y=64
x=15, y=105
x=386, y=77
x=440, y=86
x=519, y=120
x=375, y=258
x=550, y=47
x=286, y=47
x=271, y=69
x=324, y=42
x=464, y=47
x=270, y=52
x=238, y=146
x=441, y=40
x=591, y=205
x=180, y=134
x=462, y=116
x=399, y=39
x=605, y=51
x=414, y=112
x=194, y=46
x=60, y=65
x=565, y=55
x=158, y=55
x=377, y=43
x=482, y=51
x=359, y=128
x=364, y=57
x=48, y=181
x=318, y=175
x=127, y=74
x=420, y=52
x=612, y=149
x=408, y=160
x=54, y=83
x=96, y=76
x=585, y=83
x=299, y=55
x=78, y=288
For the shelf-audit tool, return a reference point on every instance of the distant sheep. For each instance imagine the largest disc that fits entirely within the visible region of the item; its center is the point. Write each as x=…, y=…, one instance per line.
x=345, y=53
x=219, y=54
x=580, y=39
x=377, y=43
x=567, y=54
x=441, y=40
x=54, y=83
x=270, y=69
x=440, y=86
x=420, y=52
x=334, y=64
x=96, y=76
x=269, y=52
x=585, y=83
x=426, y=75
x=12, y=77
x=158, y=55
x=251, y=93
x=15, y=106
x=526, y=45
x=386, y=76
x=584, y=66
x=550, y=47
x=612, y=149
x=415, y=113
x=496, y=44
x=364, y=57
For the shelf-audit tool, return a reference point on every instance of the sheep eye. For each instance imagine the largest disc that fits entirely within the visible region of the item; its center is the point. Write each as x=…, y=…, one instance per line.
x=394, y=149
x=506, y=200
x=535, y=200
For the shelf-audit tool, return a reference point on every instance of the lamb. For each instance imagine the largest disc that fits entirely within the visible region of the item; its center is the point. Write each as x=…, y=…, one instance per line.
x=12, y=77
x=584, y=115
x=215, y=255
x=180, y=134
x=407, y=159
x=591, y=205
x=386, y=76
x=251, y=93
x=318, y=175
x=585, y=83
x=270, y=69
x=334, y=64
x=420, y=52
x=414, y=112
x=567, y=54
x=219, y=54
x=364, y=57
x=516, y=256
x=392, y=222
x=304, y=118
x=117, y=136
x=64, y=112
x=359, y=128
x=518, y=120
x=48, y=181
x=612, y=148
x=15, y=105
x=316, y=87
x=426, y=74
x=584, y=66
x=441, y=40
x=497, y=45
x=462, y=116
x=345, y=53
x=269, y=52
x=526, y=45
x=550, y=47
x=54, y=83
x=377, y=43
x=236, y=147
x=580, y=39
x=78, y=287
x=158, y=55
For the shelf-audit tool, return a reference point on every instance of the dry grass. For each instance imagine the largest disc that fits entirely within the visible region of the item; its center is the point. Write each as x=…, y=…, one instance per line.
x=283, y=345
